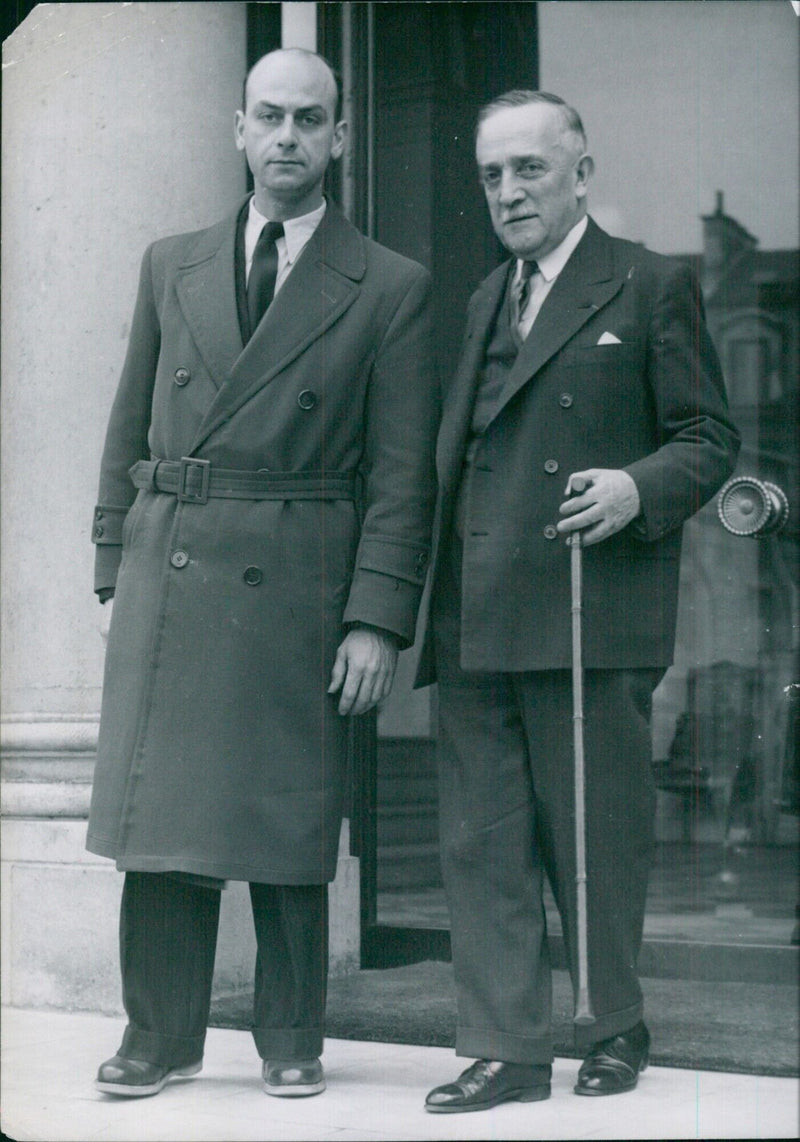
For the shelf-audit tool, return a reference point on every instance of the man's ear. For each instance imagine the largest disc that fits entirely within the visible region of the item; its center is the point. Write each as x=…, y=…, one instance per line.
x=238, y=130
x=584, y=170
x=339, y=139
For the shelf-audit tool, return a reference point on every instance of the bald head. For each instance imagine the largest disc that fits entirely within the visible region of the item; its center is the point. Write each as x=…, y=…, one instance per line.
x=277, y=63
x=289, y=131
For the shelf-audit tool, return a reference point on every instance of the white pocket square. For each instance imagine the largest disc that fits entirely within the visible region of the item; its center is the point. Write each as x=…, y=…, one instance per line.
x=608, y=339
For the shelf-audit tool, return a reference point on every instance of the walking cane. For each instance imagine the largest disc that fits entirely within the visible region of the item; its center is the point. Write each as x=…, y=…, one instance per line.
x=583, y=1006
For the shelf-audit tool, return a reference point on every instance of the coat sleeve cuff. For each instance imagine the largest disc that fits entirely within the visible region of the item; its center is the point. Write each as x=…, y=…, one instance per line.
x=384, y=601
x=387, y=585
x=107, y=524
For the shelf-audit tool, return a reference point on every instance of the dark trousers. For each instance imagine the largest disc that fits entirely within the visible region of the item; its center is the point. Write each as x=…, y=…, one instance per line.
x=168, y=936
x=506, y=807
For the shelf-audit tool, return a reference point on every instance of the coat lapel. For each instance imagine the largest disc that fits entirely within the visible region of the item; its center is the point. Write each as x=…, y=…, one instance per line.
x=587, y=283
x=206, y=291
x=321, y=286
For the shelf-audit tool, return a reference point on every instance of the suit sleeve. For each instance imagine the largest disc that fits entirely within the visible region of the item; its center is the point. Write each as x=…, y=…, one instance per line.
x=697, y=443
x=126, y=435
x=398, y=470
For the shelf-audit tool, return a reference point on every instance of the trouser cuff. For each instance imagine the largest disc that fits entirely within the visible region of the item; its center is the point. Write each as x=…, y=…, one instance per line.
x=604, y=1026
x=289, y=1043
x=161, y=1050
x=483, y=1043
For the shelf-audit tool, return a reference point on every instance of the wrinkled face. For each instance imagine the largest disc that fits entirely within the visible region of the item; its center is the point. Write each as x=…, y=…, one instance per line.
x=288, y=132
x=534, y=179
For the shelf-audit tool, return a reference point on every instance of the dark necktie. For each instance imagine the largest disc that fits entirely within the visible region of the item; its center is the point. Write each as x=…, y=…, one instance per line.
x=263, y=272
x=522, y=293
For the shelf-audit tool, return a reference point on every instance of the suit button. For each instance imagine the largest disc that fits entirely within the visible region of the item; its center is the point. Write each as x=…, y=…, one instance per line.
x=99, y=531
x=550, y=532
x=179, y=559
x=182, y=377
x=98, y=513
x=307, y=399
x=565, y=400
x=551, y=466
x=252, y=576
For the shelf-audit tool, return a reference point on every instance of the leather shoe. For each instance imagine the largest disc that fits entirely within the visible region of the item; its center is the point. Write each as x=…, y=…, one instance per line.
x=613, y=1065
x=486, y=1083
x=135, y=1078
x=293, y=1078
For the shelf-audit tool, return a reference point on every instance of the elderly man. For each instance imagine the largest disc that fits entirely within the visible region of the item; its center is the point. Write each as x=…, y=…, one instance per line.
x=585, y=358
x=263, y=524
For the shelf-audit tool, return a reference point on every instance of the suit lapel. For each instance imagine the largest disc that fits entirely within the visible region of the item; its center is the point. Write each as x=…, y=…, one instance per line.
x=320, y=287
x=460, y=398
x=587, y=283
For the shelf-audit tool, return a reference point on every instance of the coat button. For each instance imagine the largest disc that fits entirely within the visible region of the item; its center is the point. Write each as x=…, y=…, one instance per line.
x=182, y=377
x=565, y=400
x=551, y=532
x=252, y=576
x=307, y=399
x=551, y=466
x=179, y=559
x=99, y=531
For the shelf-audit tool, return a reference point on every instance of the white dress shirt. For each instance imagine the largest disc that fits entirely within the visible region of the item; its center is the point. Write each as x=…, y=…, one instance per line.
x=296, y=232
x=550, y=266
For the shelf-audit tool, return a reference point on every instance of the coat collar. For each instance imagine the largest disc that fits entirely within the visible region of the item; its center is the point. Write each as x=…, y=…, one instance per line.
x=322, y=285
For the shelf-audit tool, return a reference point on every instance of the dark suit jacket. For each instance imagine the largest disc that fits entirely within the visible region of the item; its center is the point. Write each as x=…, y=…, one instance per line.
x=220, y=752
x=653, y=404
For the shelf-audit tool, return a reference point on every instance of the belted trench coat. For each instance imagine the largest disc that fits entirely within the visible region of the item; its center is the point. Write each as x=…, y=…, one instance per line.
x=220, y=752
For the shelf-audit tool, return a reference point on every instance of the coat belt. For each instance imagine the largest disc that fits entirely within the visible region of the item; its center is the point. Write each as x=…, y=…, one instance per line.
x=196, y=481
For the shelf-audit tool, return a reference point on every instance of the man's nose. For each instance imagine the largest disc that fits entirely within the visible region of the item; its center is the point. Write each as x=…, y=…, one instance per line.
x=286, y=133
x=509, y=190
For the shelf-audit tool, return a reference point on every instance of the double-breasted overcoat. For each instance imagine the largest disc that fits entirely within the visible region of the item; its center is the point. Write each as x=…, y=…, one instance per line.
x=220, y=752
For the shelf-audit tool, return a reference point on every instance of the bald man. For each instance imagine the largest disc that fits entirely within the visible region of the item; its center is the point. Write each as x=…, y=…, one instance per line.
x=278, y=369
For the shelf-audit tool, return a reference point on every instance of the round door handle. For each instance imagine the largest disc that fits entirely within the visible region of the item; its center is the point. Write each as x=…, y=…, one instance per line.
x=752, y=507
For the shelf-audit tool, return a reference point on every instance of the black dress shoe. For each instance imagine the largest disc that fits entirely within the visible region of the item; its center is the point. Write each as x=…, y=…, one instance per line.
x=486, y=1083
x=613, y=1065
x=135, y=1078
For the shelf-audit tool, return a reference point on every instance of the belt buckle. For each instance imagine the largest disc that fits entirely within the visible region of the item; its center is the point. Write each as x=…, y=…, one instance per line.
x=187, y=497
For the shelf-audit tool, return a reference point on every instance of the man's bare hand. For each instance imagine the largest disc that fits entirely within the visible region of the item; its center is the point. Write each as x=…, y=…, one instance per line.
x=608, y=504
x=364, y=669
x=105, y=618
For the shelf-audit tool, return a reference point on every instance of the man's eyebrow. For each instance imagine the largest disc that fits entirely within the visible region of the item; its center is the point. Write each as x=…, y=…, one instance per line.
x=265, y=103
x=512, y=160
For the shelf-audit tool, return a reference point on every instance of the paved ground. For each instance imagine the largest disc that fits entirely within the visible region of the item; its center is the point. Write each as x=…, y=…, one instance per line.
x=375, y=1091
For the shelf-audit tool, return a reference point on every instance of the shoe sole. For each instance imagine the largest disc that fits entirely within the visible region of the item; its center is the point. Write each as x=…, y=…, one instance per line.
x=128, y=1091
x=532, y=1094
x=297, y=1090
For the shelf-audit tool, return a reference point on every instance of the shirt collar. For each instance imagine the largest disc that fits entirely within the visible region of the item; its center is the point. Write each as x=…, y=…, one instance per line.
x=550, y=265
x=296, y=231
